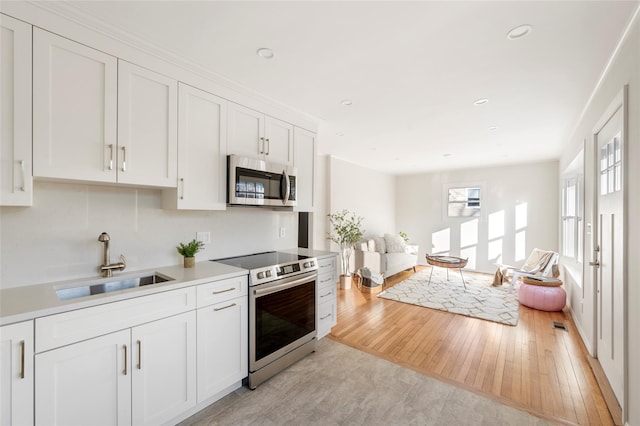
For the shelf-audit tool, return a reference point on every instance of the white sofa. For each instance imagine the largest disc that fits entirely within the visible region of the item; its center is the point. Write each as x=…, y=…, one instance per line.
x=386, y=255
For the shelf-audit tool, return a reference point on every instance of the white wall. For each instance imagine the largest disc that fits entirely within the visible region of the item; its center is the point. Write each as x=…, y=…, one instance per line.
x=625, y=69
x=57, y=238
x=421, y=213
x=321, y=207
x=365, y=192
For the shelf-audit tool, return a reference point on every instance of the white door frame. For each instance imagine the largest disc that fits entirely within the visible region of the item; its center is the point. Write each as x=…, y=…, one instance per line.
x=620, y=101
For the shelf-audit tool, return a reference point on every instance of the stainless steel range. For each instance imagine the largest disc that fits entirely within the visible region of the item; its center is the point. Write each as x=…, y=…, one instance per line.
x=282, y=310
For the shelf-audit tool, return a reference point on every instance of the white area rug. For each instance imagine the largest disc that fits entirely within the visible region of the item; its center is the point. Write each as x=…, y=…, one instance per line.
x=479, y=300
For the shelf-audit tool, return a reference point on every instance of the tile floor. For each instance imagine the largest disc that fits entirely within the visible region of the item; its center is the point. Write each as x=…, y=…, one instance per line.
x=339, y=385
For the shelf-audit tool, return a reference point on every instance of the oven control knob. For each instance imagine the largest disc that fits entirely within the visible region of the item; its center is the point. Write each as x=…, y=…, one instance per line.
x=261, y=275
x=309, y=264
x=268, y=273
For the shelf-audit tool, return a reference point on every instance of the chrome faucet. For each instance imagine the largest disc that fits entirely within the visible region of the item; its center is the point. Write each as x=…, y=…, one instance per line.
x=106, y=269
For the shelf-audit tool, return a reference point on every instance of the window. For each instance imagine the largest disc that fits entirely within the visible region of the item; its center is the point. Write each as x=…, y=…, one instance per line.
x=611, y=167
x=464, y=202
x=572, y=221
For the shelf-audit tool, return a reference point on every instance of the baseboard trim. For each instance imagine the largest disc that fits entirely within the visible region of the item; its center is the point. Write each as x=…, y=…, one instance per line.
x=607, y=392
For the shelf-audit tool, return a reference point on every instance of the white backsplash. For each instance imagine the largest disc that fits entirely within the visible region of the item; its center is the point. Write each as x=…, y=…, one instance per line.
x=57, y=238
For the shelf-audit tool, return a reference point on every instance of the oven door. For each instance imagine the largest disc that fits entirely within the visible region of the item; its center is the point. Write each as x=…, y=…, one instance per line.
x=282, y=317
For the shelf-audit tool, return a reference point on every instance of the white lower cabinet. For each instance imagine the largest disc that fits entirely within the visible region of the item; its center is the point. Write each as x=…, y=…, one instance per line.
x=327, y=308
x=144, y=361
x=143, y=376
x=222, y=346
x=87, y=383
x=16, y=374
x=163, y=369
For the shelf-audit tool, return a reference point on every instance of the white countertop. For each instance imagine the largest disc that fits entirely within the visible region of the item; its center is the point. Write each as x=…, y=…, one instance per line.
x=29, y=302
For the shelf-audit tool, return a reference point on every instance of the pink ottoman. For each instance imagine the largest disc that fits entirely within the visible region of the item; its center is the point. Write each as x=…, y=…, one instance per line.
x=542, y=297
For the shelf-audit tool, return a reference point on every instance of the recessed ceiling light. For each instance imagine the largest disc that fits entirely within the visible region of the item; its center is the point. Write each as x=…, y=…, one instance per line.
x=519, y=32
x=481, y=101
x=492, y=128
x=265, y=53
x=346, y=102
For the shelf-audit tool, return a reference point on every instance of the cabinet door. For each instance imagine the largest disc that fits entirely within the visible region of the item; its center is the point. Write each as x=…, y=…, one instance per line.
x=202, y=150
x=87, y=383
x=304, y=154
x=222, y=346
x=16, y=374
x=278, y=141
x=15, y=113
x=164, y=369
x=246, y=132
x=74, y=110
x=147, y=127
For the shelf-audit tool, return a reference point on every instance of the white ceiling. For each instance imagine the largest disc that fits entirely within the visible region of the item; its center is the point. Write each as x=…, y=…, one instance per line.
x=412, y=69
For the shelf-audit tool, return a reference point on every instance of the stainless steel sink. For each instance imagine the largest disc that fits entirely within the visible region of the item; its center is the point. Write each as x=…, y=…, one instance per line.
x=109, y=285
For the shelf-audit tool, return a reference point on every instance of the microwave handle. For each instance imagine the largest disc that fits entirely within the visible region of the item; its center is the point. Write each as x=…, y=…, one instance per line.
x=287, y=188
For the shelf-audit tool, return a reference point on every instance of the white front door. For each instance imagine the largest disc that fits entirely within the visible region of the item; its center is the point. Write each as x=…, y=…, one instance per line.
x=610, y=327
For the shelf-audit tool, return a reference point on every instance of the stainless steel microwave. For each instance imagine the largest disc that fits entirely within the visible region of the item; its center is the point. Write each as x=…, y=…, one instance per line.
x=253, y=182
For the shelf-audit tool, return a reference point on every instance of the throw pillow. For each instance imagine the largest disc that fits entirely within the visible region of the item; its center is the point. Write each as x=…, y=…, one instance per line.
x=379, y=245
x=394, y=243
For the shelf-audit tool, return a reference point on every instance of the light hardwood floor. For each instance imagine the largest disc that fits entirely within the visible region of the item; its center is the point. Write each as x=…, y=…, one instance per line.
x=532, y=366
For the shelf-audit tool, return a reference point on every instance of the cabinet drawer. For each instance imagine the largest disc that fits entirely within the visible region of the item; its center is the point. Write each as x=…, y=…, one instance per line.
x=70, y=327
x=326, y=318
x=327, y=265
x=219, y=291
x=327, y=293
x=326, y=280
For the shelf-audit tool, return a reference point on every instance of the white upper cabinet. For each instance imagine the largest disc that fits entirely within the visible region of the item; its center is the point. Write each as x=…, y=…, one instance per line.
x=97, y=119
x=74, y=110
x=202, y=151
x=305, y=148
x=147, y=127
x=15, y=113
x=279, y=141
x=253, y=134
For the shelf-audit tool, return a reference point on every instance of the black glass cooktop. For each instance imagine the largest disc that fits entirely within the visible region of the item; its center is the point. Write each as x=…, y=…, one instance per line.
x=260, y=260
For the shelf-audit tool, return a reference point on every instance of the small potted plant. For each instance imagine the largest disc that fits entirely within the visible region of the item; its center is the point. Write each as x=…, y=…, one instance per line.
x=189, y=251
x=347, y=231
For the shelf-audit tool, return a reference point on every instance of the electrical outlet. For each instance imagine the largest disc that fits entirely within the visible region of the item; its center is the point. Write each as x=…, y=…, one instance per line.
x=283, y=232
x=203, y=236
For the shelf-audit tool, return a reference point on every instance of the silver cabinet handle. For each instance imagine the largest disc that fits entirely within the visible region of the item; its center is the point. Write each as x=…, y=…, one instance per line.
x=124, y=158
x=139, y=355
x=224, y=291
x=182, y=193
x=110, y=156
x=22, y=351
x=224, y=307
x=325, y=317
x=594, y=263
x=125, y=359
x=325, y=295
x=24, y=176
x=261, y=146
x=268, y=145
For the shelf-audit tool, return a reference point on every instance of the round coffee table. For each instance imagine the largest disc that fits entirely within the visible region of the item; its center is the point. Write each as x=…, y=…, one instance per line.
x=448, y=262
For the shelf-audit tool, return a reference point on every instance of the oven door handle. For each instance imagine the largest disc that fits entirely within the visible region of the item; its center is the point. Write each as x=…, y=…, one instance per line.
x=274, y=289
